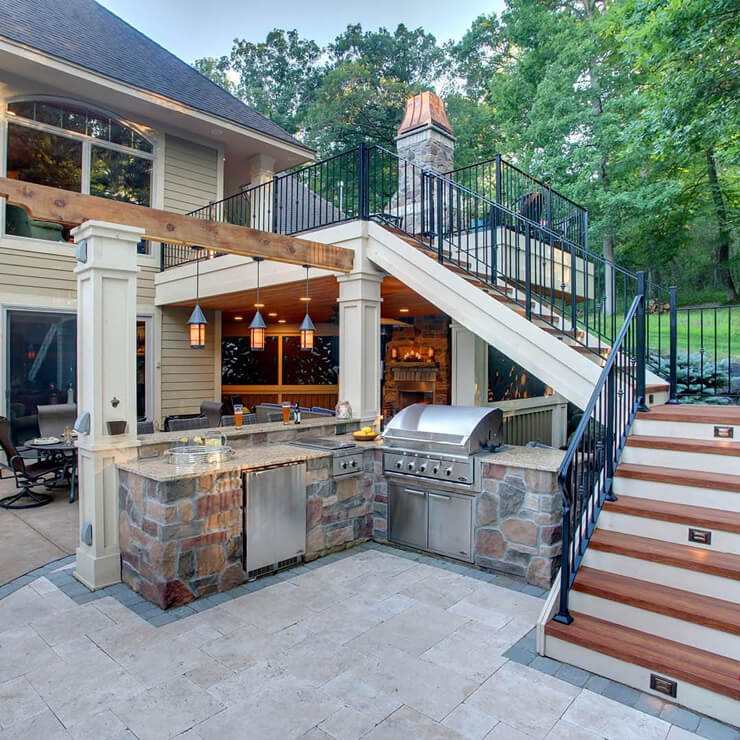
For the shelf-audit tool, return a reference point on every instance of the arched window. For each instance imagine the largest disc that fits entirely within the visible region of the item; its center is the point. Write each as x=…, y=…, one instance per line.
x=69, y=146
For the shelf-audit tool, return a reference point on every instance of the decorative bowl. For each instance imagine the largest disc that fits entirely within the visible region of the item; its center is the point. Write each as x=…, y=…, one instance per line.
x=363, y=437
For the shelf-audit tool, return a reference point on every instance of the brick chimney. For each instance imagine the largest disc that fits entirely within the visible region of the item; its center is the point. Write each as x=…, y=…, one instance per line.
x=425, y=136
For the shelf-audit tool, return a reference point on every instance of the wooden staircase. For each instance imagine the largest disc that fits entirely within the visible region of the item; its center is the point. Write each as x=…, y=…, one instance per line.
x=656, y=601
x=543, y=314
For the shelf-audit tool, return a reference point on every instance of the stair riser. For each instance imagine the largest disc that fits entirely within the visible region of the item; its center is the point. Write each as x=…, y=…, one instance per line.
x=667, y=531
x=657, y=398
x=680, y=430
x=700, y=461
x=694, y=697
x=667, y=575
x=675, y=494
x=661, y=625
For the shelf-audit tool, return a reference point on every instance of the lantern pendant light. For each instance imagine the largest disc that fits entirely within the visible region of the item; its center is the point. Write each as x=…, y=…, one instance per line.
x=307, y=329
x=258, y=327
x=197, y=321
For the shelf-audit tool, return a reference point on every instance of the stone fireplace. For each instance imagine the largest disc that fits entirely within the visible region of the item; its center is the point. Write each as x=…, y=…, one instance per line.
x=417, y=364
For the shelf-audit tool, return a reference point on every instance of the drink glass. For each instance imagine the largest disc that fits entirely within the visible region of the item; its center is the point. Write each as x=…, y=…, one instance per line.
x=286, y=413
x=238, y=415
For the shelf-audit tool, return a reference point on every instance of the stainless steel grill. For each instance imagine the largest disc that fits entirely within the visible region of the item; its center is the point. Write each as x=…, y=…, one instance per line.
x=440, y=442
x=346, y=458
x=429, y=457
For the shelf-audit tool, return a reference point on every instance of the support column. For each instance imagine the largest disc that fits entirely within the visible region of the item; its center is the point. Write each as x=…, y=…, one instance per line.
x=359, y=342
x=106, y=382
x=469, y=368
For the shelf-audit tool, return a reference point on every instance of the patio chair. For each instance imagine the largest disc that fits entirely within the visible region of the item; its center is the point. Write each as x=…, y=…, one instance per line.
x=212, y=410
x=55, y=418
x=146, y=426
x=28, y=473
x=184, y=425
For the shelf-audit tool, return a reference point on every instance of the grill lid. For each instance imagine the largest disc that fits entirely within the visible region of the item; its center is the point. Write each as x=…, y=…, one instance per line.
x=461, y=430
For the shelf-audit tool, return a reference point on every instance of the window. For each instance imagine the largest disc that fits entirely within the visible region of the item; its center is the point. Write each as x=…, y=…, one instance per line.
x=66, y=146
x=320, y=366
x=42, y=366
x=241, y=366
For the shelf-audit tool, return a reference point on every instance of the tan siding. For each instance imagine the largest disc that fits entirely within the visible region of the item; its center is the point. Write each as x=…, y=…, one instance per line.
x=23, y=272
x=190, y=175
x=145, y=284
x=188, y=375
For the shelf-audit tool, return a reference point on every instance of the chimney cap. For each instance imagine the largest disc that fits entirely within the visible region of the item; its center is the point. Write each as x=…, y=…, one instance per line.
x=425, y=109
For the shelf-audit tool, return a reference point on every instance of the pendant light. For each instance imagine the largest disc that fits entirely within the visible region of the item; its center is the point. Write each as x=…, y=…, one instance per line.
x=258, y=327
x=307, y=328
x=197, y=321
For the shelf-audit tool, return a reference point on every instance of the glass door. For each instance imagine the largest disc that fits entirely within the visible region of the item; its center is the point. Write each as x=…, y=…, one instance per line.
x=41, y=366
x=144, y=368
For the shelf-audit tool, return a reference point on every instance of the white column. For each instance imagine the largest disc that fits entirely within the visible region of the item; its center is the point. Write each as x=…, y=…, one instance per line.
x=469, y=368
x=359, y=342
x=106, y=382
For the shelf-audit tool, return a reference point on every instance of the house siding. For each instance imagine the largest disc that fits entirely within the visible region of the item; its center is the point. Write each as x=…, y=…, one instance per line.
x=188, y=376
x=190, y=175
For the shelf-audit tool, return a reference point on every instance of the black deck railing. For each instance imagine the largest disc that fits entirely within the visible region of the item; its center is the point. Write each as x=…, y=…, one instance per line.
x=539, y=262
x=586, y=474
x=506, y=184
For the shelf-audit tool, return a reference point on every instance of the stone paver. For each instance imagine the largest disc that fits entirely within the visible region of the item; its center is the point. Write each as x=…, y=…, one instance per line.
x=373, y=643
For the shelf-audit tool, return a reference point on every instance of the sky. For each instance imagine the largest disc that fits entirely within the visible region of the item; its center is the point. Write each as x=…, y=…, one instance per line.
x=193, y=28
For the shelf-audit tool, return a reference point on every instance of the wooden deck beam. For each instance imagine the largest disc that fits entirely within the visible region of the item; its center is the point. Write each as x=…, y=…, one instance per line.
x=71, y=209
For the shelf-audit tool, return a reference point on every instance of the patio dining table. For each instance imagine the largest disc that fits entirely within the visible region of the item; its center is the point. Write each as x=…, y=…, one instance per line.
x=64, y=451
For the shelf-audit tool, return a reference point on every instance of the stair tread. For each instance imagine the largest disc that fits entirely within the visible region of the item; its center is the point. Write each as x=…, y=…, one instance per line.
x=657, y=388
x=709, y=446
x=673, y=602
x=694, y=516
x=693, y=413
x=678, y=476
x=722, y=564
x=714, y=672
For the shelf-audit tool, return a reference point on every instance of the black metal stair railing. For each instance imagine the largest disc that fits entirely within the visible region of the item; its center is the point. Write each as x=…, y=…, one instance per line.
x=586, y=474
x=539, y=262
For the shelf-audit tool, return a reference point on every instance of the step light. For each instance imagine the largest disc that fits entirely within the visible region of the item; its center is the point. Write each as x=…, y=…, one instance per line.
x=724, y=432
x=702, y=536
x=663, y=685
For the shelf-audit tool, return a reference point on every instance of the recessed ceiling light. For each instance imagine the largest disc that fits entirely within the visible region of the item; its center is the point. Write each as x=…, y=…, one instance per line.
x=259, y=305
x=403, y=310
x=281, y=321
x=238, y=318
x=272, y=314
x=305, y=299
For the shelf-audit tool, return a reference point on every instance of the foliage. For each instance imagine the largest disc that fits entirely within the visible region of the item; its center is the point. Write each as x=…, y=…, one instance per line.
x=627, y=106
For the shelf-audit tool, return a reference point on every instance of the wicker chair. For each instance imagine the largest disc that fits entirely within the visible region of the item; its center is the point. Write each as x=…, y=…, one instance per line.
x=229, y=420
x=28, y=473
x=212, y=410
x=184, y=425
x=145, y=426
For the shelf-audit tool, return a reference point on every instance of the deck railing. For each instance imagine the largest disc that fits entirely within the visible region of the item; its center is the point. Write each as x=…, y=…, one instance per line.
x=586, y=474
x=539, y=263
x=506, y=184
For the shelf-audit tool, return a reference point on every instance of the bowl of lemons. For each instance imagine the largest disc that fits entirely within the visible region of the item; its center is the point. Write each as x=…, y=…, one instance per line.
x=366, y=434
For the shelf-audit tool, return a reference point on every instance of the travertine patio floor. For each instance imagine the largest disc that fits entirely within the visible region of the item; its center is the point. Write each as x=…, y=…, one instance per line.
x=375, y=645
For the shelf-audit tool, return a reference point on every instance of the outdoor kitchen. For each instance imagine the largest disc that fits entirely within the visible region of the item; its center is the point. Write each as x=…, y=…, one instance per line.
x=439, y=480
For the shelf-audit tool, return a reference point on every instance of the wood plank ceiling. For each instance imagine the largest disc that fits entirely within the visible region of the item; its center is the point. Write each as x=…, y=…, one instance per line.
x=284, y=301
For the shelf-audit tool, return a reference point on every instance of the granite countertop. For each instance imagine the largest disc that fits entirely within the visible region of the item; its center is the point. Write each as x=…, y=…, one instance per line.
x=247, y=458
x=244, y=431
x=528, y=458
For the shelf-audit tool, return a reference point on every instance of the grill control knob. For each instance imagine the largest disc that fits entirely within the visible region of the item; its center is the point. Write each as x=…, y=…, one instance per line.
x=353, y=463
x=399, y=464
x=435, y=470
x=448, y=471
x=410, y=466
x=344, y=465
x=422, y=468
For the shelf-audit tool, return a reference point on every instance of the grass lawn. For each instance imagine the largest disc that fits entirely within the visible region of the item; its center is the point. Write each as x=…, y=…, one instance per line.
x=696, y=329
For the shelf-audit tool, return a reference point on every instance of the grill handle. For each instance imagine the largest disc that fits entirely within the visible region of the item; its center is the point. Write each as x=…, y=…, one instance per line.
x=439, y=496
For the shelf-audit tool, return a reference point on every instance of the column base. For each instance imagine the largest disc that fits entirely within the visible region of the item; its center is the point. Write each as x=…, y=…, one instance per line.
x=97, y=572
